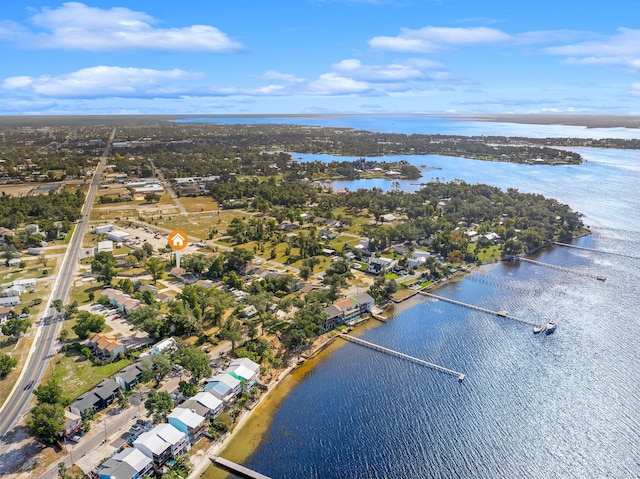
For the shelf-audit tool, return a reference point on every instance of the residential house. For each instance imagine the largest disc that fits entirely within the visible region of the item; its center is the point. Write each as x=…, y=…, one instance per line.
x=120, y=300
x=334, y=317
x=5, y=313
x=13, y=262
x=224, y=386
x=24, y=283
x=166, y=345
x=248, y=377
x=128, y=377
x=9, y=301
x=32, y=229
x=378, y=265
x=5, y=232
x=365, y=302
x=72, y=423
x=35, y=251
x=12, y=291
x=205, y=404
x=177, y=439
x=97, y=399
x=350, y=309
x=130, y=463
x=189, y=422
x=154, y=447
x=106, y=346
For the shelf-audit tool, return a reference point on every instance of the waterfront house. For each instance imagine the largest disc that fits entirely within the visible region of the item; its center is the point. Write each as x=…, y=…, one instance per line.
x=334, y=317
x=189, y=422
x=154, y=447
x=223, y=386
x=247, y=373
x=130, y=463
x=205, y=404
x=177, y=439
x=350, y=309
x=365, y=302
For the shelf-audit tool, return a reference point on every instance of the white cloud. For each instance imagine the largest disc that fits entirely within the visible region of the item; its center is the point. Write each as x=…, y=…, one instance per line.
x=102, y=81
x=412, y=70
x=80, y=27
x=430, y=39
x=621, y=49
x=334, y=84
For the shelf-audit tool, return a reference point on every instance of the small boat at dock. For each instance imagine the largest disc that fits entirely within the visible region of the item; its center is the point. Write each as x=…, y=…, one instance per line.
x=539, y=329
x=551, y=327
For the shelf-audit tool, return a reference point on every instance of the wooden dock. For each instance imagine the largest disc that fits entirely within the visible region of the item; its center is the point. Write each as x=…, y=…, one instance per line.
x=595, y=250
x=236, y=469
x=502, y=314
x=398, y=354
x=599, y=277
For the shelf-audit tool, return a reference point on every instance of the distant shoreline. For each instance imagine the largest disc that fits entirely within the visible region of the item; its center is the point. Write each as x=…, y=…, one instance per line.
x=587, y=121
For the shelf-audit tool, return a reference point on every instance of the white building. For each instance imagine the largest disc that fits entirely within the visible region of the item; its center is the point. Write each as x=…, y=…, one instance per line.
x=103, y=229
x=166, y=345
x=117, y=236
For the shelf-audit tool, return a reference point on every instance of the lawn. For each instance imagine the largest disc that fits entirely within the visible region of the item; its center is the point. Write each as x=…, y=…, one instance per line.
x=487, y=254
x=77, y=375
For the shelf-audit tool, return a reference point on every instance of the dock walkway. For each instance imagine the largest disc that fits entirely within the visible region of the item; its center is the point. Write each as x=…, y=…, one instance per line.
x=398, y=354
x=236, y=469
x=502, y=314
x=562, y=268
x=596, y=250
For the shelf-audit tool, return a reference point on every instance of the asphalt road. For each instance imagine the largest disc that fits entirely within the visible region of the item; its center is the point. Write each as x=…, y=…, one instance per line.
x=46, y=329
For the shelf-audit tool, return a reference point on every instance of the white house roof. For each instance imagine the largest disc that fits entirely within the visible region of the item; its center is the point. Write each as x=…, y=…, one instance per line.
x=208, y=400
x=168, y=343
x=242, y=371
x=169, y=433
x=187, y=417
x=134, y=458
x=247, y=363
x=151, y=441
x=226, y=379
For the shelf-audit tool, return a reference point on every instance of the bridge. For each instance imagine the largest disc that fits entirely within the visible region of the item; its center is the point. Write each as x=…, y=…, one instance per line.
x=502, y=314
x=398, y=354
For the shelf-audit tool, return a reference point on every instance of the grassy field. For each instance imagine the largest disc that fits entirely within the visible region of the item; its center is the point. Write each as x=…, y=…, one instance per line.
x=77, y=375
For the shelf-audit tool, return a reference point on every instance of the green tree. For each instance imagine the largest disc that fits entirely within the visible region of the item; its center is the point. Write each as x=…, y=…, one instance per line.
x=88, y=323
x=195, y=361
x=57, y=303
x=152, y=197
x=156, y=368
x=46, y=422
x=188, y=389
x=103, y=265
x=231, y=330
x=7, y=363
x=158, y=403
x=155, y=267
x=49, y=392
x=15, y=327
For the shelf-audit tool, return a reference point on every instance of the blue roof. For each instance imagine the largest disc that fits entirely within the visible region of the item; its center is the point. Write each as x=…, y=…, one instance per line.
x=221, y=388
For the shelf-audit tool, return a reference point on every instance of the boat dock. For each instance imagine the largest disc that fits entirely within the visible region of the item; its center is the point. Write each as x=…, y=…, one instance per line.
x=236, y=469
x=599, y=277
x=595, y=250
x=502, y=314
x=398, y=354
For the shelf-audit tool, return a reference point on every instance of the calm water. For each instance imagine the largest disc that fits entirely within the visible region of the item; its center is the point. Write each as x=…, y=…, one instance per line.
x=532, y=406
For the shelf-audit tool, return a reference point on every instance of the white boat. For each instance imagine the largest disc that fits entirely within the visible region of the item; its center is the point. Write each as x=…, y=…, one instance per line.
x=551, y=327
x=539, y=329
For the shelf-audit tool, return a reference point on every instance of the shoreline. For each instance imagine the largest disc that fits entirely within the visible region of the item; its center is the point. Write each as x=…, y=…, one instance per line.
x=202, y=463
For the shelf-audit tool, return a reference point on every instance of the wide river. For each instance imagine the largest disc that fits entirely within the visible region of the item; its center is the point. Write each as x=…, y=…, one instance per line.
x=565, y=405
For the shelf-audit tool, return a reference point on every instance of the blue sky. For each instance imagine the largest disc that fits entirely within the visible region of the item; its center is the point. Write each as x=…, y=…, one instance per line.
x=319, y=56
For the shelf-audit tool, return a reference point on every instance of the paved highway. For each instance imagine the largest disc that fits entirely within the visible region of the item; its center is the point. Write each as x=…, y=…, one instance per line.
x=46, y=329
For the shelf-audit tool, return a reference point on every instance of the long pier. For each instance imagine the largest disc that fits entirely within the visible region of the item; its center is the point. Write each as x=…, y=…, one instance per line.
x=398, y=354
x=562, y=268
x=595, y=250
x=502, y=314
x=236, y=469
